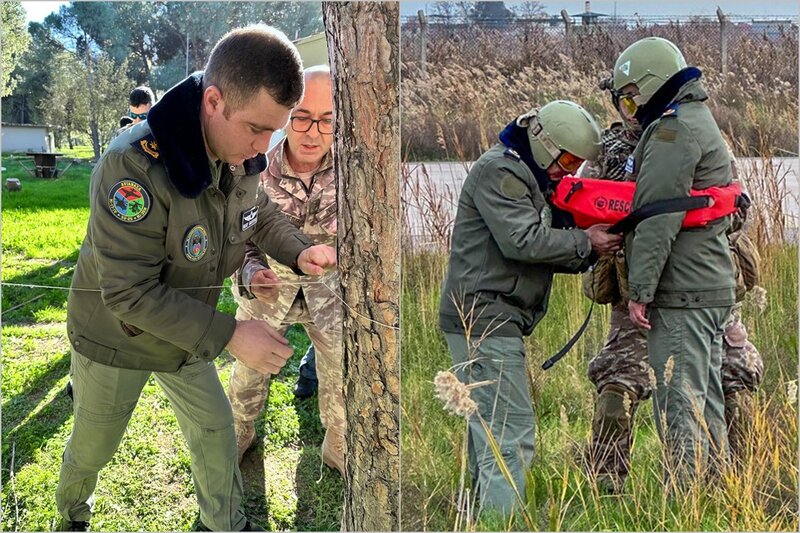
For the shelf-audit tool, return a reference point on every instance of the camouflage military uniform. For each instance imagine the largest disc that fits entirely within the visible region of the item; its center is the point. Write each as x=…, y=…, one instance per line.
x=621, y=371
x=300, y=300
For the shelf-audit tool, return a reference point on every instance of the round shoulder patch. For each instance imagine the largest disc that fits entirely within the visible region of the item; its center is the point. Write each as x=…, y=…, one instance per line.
x=129, y=201
x=195, y=243
x=513, y=187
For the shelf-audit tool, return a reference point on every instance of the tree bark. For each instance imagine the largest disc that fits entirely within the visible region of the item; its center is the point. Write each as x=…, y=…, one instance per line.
x=363, y=46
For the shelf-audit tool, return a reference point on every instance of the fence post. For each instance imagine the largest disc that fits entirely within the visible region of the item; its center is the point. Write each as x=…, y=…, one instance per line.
x=567, y=24
x=723, y=41
x=423, y=41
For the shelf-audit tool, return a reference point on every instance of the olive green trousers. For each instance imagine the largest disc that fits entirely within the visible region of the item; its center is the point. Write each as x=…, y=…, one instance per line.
x=104, y=400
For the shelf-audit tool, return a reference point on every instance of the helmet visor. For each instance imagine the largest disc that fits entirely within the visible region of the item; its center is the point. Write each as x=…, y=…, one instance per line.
x=569, y=162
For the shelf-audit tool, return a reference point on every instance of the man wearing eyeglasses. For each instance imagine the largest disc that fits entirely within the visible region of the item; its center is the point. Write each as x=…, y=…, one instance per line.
x=508, y=242
x=300, y=179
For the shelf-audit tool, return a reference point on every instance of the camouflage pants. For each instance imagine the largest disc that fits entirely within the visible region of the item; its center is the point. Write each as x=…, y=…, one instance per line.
x=620, y=372
x=248, y=388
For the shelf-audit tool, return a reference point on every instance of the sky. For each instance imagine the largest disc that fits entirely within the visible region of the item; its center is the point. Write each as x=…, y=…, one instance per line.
x=650, y=8
x=38, y=10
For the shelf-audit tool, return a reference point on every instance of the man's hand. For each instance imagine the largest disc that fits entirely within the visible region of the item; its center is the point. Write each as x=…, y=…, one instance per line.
x=638, y=314
x=315, y=259
x=264, y=285
x=259, y=347
x=602, y=241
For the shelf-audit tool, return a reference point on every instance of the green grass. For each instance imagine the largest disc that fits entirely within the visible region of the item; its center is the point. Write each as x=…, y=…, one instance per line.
x=85, y=152
x=560, y=495
x=147, y=486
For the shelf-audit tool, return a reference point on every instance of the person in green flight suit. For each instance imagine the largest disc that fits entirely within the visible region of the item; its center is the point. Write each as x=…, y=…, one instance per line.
x=507, y=244
x=680, y=281
x=173, y=201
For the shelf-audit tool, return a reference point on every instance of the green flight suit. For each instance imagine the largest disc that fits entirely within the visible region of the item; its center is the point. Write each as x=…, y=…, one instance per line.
x=503, y=255
x=686, y=278
x=167, y=225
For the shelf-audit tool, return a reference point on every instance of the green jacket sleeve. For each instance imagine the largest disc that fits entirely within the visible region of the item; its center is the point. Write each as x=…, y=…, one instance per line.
x=130, y=258
x=669, y=158
x=506, y=203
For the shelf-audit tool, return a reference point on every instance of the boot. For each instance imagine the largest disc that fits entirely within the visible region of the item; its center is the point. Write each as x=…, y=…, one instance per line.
x=739, y=412
x=608, y=456
x=305, y=387
x=74, y=525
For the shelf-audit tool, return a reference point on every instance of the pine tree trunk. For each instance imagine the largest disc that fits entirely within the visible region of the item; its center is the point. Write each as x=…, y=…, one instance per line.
x=363, y=46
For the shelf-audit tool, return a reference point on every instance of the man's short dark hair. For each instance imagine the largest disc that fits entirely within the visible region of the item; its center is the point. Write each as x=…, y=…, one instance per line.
x=249, y=59
x=141, y=96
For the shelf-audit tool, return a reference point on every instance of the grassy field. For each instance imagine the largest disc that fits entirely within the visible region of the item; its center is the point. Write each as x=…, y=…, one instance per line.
x=147, y=486
x=561, y=496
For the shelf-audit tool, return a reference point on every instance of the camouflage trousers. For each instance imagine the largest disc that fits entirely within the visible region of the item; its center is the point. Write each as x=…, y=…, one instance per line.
x=622, y=375
x=248, y=388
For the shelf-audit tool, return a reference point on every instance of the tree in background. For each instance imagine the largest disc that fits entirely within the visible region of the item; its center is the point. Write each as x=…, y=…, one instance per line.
x=363, y=46
x=452, y=12
x=188, y=31
x=66, y=102
x=34, y=72
x=15, y=42
x=529, y=10
x=147, y=43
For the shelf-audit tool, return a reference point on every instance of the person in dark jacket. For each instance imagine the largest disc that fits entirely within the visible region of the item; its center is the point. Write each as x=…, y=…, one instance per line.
x=173, y=201
x=681, y=281
x=507, y=243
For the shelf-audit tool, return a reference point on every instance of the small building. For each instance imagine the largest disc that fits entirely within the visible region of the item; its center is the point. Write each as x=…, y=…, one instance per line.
x=313, y=50
x=588, y=17
x=26, y=138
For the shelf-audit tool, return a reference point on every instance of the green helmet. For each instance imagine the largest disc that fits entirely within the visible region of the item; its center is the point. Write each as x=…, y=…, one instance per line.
x=648, y=63
x=559, y=127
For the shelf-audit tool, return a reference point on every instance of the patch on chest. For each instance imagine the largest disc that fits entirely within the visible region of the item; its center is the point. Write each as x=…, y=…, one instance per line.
x=249, y=217
x=195, y=244
x=129, y=201
x=665, y=133
x=630, y=165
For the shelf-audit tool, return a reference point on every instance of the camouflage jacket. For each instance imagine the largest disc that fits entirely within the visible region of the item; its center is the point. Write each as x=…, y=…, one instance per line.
x=618, y=144
x=312, y=210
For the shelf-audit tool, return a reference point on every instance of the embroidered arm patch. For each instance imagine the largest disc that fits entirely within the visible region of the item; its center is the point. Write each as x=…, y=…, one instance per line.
x=129, y=201
x=513, y=187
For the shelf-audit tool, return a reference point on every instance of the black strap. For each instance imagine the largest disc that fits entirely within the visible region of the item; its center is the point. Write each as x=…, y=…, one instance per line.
x=567, y=347
x=578, y=185
x=673, y=205
x=660, y=207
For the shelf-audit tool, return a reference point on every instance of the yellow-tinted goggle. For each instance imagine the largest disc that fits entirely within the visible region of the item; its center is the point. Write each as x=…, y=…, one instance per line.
x=627, y=103
x=569, y=162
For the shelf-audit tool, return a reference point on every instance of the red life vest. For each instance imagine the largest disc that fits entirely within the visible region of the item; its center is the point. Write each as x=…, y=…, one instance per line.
x=593, y=201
